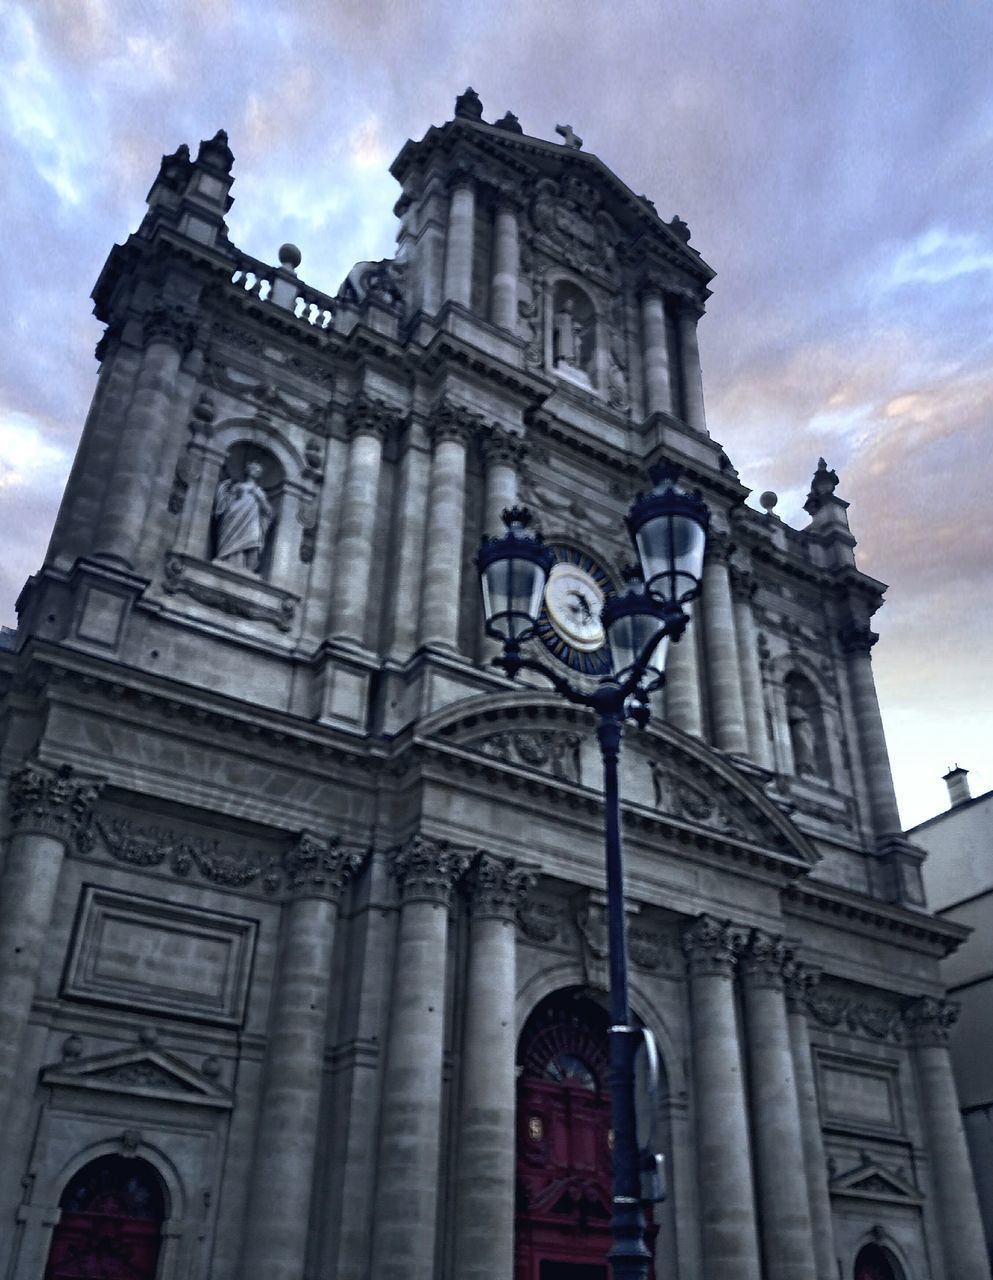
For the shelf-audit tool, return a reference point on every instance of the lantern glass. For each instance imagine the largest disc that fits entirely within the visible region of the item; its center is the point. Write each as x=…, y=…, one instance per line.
x=512, y=594
x=631, y=622
x=670, y=548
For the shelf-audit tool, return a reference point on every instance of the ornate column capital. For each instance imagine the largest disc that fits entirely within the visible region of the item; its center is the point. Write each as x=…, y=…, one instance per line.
x=170, y=325
x=743, y=584
x=426, y=870
x=764, y=959
x=320, y=866
x=500, y=446
x=712, y=946
x=719, y=548
x=652, y=284
x=686, y=305
x=496, y=887
x=452, y=421
x=929, y=1020
x=800, y=981
x=49, y=801
x=856, y=638
x=368, y=416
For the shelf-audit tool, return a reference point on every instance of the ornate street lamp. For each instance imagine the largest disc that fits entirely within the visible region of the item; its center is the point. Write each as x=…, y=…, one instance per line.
x=668, y=528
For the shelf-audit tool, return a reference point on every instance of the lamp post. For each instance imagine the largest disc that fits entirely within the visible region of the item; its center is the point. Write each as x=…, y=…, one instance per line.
x=668, y=528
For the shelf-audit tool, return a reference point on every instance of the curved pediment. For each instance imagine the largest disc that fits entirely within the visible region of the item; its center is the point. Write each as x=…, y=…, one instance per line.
x=666, y=776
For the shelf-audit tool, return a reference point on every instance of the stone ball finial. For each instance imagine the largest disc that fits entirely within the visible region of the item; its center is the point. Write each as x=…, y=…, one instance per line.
x=768, y=500
x=290, y=256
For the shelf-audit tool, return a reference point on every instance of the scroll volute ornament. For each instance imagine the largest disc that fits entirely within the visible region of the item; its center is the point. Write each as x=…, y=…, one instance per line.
x=49, y=800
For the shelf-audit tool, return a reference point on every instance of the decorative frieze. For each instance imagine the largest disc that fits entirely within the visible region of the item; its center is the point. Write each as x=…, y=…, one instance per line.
x=497, y=886
x=858, y=1016
x=320, y=866
x=552, y=751
x=50, y=800
x=712, y=946
x=427, y=869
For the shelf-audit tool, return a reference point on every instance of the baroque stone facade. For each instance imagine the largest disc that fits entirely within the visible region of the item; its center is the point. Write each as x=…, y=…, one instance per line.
x=302, y=906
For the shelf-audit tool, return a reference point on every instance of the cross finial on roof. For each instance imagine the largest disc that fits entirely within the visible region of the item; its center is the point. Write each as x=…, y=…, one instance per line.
x=569, y=138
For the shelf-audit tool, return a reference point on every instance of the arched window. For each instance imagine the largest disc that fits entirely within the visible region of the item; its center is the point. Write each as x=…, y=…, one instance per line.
x=111, y=1222
x=874, y=1263
x=806, y=725
x=246, y=509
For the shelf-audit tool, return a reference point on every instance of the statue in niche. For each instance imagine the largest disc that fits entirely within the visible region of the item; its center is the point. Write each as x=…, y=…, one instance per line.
x=568, y=335
x=802, y=737
x=244, y=517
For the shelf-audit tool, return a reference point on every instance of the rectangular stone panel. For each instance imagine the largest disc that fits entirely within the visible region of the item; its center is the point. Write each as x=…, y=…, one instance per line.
x=140, y=953
x=858, y=1094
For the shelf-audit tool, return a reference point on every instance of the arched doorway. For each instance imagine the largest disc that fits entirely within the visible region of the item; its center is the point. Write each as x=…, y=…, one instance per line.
x=562, y=1227
x=111, y=1223
x=873, y=1263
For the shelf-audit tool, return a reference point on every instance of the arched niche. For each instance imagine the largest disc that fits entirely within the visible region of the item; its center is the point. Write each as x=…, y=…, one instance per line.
x=805, y=723
x=573, y=339
x=247, y=508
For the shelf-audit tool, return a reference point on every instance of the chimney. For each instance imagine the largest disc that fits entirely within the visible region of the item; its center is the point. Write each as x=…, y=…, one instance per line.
x=957, y=780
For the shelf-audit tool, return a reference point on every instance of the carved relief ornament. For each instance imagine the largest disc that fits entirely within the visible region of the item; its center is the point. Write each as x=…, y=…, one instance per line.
x=929, y=1021
x=46, y=800
x=369, y=416
x=426, y=869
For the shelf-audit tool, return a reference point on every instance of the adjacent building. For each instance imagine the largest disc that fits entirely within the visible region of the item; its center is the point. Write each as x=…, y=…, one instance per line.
x=302, y=935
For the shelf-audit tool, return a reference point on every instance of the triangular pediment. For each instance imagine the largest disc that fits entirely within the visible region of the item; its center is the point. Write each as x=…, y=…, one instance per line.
x=871, y=1181
x=147, y=1072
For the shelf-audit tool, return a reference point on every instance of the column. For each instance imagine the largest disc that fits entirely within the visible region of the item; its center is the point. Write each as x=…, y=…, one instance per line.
x=856, y=643
x=783, y=1202
x=799, y=982
x=724, y=1173
x=502, y=454
x=506, y=267
x=368, y=424
x=683, y=703
x=282, y=1171
x=406, y=1205
x=415, y=474
x=485, y=1168
x=956, y=1207
x=658, y=388
x=743, y=588
x=167, y=335
x=457, y=284
x=688, y=315
x=721, y=649
x=442, y=582
x=47, y=806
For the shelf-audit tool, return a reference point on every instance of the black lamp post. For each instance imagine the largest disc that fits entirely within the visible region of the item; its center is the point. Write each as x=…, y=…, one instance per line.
x=669, y=530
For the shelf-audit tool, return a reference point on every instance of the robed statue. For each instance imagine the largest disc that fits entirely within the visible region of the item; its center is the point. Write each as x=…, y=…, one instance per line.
x=567, y=336
x=244, y=517
x=803, y=738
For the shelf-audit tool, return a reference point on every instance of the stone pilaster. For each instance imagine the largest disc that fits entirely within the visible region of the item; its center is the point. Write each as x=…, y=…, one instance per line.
x=724, y=1172
x=800, y=981
x=457, y=282
x=658, y=383
x=506, y=266
x=484, y=1174
x=168, y=336
x=743, y=588
x=688, y=314
x=956, y=1207
x=369, y=422
x=451, y=426
x=47, y=805
x=282, y=1173
x=683, y=702
x=721, y=649
x=783, y=1201
x=405, y=1216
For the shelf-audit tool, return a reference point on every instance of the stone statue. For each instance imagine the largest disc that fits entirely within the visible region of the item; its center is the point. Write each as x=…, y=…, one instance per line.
x=802, y=737
x=568, y=336
x=244, y=517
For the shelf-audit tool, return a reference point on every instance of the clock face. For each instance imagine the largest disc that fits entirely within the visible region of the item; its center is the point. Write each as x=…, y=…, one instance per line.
x=570, y=625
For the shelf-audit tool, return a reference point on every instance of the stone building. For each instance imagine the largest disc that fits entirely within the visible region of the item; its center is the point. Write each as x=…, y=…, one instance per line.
x=302, y=944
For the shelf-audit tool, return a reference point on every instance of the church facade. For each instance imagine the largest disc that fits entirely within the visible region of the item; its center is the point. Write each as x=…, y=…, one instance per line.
x=302, y=911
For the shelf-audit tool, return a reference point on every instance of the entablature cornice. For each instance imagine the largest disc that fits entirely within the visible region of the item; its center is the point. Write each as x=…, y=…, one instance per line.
x=858, y=914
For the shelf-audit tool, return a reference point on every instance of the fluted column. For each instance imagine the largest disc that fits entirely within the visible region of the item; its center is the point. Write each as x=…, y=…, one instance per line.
x=720, y=646
x=799, y=982
x=688, y=315
x=683, y=700
x=457, y=285
x=47, y=806
x=484, y=1172
x=282, y=1172
x=724, y=1173
x=502, y=455
x=415, y=478
x=403, y=1246
x=450, y=428
x=658, y=385
x=168, y=335
x=368, y=423
x=783, y=1202
x=856, y=642
x=956, y=1206
x=506, y=267
x=743, y=587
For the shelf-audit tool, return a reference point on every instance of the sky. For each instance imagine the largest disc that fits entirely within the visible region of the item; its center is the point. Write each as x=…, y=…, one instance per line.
x=833, y=161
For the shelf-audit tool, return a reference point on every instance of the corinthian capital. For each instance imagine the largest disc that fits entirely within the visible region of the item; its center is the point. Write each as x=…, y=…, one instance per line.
x=426, y=870
x=719, y=548
x=928, y=1020
x=368, y=416
x=169, y=325
x=800, y=982
x=497, y=887
x=499, y=445
x=712, y=946
x=320, y=866
x=46, y=800
x=452, y=421
x=764, y=960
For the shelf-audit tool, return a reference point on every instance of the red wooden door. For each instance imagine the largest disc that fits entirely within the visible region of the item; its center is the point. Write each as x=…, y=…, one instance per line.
x=110, y=1227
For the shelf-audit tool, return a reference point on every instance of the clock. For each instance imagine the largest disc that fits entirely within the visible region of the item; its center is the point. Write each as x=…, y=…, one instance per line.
x=570, y=626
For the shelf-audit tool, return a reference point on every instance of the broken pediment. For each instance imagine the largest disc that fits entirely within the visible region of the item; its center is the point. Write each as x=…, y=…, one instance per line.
x=151, y=1073
x=871, y=1181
